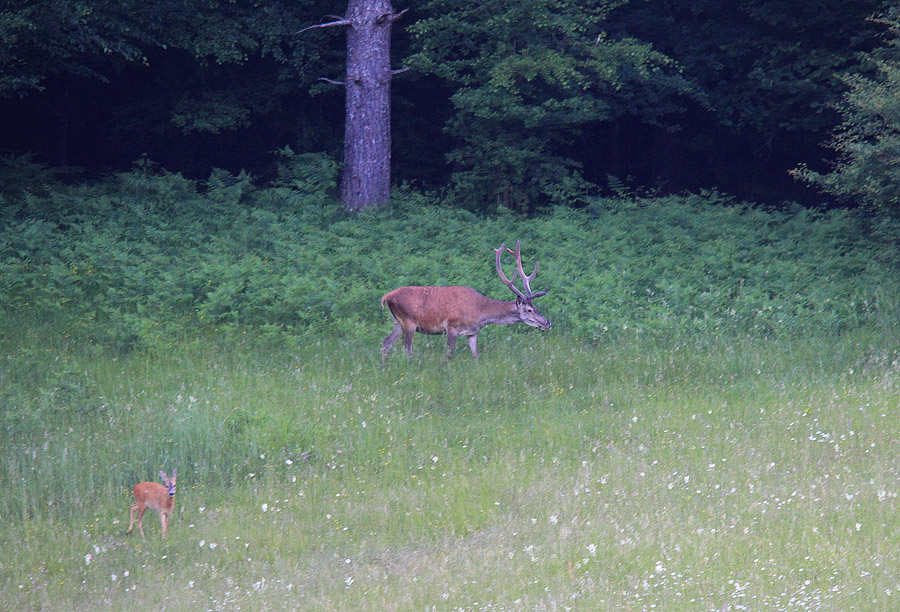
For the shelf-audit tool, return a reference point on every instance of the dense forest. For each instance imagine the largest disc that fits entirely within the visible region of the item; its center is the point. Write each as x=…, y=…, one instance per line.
x=522, y=104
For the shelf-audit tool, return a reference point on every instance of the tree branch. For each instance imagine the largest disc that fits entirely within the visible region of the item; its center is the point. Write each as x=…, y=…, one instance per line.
x=400, y=71
x=392, y=17
x=340, y=22
x=331, y=81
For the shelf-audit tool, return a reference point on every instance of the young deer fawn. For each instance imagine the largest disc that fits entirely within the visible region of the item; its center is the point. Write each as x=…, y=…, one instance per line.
x=156, y=496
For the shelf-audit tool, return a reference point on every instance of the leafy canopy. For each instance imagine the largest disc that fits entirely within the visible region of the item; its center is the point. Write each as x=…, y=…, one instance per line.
x=528, y=77
x=868, y=140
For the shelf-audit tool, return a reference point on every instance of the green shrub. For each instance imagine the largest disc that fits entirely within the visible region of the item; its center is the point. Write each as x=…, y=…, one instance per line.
x=137, y=259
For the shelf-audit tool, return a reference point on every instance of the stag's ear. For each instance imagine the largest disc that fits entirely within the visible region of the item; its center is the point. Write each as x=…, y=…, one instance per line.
x=520, y=302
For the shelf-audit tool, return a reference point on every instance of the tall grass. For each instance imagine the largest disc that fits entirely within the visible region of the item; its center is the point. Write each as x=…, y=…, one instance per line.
x=710, y=425
x=689, y=473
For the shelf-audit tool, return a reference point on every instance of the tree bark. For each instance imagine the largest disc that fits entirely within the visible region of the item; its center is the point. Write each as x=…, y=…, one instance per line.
x=366, y=175
x=366, y=172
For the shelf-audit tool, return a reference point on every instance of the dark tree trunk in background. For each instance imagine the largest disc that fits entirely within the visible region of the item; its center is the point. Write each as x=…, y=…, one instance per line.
x=366, y=178
x=366, y=173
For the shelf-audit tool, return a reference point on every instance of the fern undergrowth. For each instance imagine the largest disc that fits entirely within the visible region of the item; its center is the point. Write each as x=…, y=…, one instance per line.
x=710, y=424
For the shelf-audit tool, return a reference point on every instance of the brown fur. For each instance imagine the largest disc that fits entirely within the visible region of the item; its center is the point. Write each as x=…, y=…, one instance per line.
x=156, y=497
x=455, y=311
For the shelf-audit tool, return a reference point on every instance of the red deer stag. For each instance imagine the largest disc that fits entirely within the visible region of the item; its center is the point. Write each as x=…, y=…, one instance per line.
x=459, y=311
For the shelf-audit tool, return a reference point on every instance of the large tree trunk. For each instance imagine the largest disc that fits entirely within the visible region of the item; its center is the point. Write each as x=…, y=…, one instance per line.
x=366, y=178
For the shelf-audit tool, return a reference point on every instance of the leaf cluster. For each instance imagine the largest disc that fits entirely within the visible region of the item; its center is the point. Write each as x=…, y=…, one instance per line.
x=528, y=78
x=42, y=38
x=868, y=140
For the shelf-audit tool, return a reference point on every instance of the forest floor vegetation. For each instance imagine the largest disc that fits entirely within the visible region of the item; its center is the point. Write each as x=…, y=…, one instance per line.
x=711, y=423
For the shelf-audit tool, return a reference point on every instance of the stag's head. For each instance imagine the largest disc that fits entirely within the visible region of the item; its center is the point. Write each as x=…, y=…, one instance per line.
x=528, y=314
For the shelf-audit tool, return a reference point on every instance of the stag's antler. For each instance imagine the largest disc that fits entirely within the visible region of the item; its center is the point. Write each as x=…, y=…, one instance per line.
x=526, y=279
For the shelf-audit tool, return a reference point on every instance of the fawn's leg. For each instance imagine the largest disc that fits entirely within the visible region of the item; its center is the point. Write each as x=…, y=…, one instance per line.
x=134, y=508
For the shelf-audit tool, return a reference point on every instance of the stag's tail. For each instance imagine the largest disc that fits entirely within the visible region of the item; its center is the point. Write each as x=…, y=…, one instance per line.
x=386, y=302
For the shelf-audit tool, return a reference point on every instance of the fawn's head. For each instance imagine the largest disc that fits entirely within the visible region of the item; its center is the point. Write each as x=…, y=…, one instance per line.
x=169, y=481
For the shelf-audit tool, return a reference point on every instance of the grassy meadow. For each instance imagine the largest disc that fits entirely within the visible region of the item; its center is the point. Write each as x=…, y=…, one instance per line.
x=684, y=474
x=711, y=424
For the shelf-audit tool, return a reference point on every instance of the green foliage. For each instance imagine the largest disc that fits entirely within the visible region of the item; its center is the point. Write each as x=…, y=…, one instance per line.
x=528, y=78
x=868, y=141
x=313, y=174
x=195, y=57
x=699, y=472
x=68, y=37
x=20, y=174
x=134, y=261
x=766, y=67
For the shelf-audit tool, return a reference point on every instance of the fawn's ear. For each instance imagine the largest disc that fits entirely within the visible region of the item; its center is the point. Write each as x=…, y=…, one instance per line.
x=174, y=474
x=162, y=475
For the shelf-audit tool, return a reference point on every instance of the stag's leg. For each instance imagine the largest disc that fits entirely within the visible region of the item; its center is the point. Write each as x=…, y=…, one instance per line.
x=408, y=336
x=473, y=344
x=389, y=342
x=451, y=343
